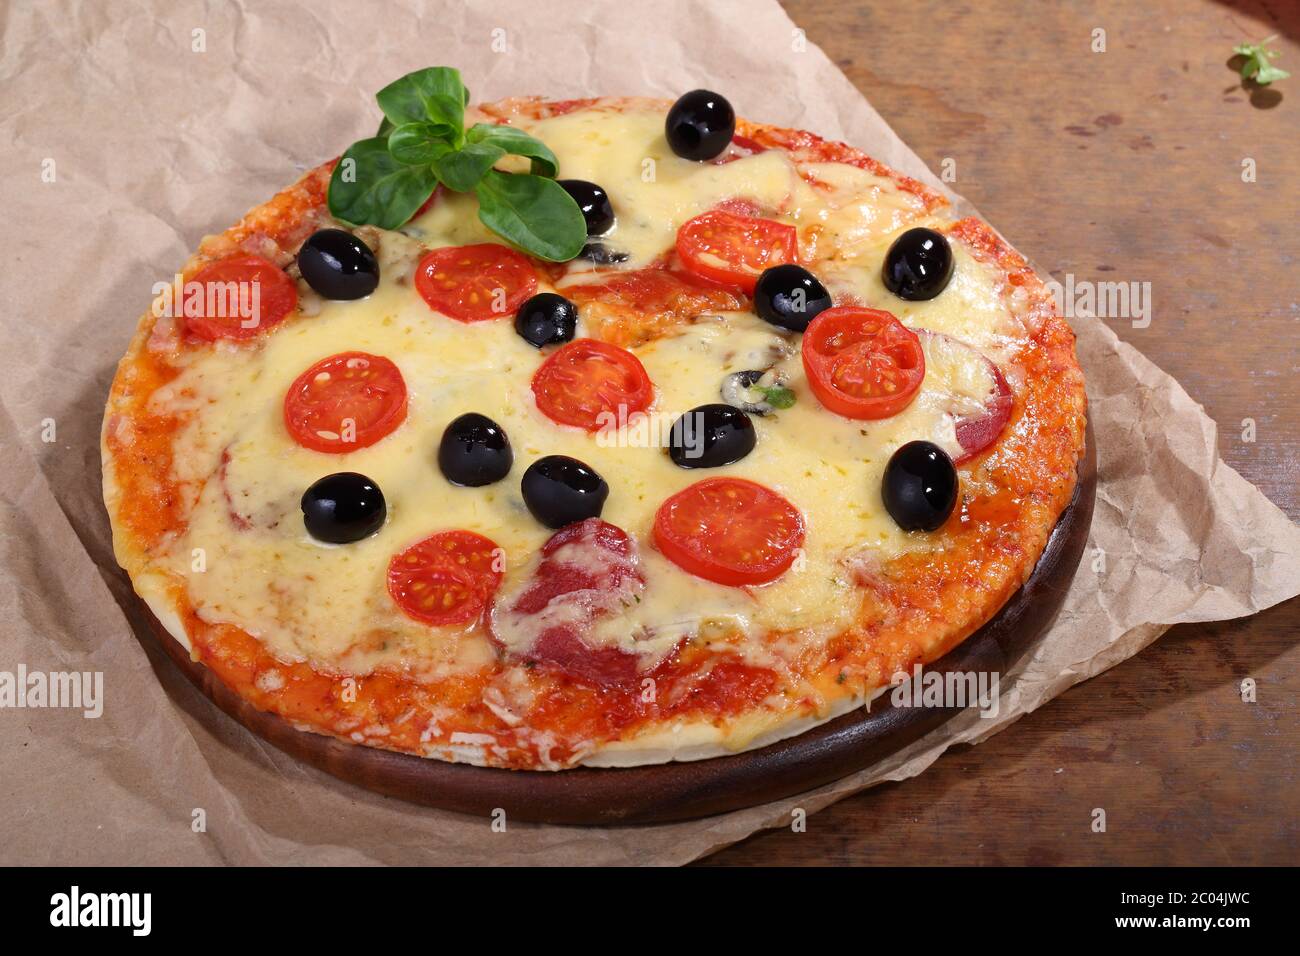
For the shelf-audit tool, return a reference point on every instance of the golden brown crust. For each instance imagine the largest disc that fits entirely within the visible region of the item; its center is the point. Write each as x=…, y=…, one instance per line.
x=914, y=608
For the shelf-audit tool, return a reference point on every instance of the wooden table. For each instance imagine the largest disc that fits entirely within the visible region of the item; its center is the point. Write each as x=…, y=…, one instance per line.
x=1122, y=165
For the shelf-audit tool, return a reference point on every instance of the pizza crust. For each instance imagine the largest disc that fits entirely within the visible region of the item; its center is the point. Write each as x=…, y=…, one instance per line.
x=681, y=742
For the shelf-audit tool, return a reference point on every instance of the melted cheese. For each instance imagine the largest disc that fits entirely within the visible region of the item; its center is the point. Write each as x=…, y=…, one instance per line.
x=971, y=309
x=845, y=207
x=329, y=604
x=654, y=191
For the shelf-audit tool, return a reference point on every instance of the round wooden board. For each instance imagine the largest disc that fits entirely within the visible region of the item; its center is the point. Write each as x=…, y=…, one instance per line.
x=662, y=793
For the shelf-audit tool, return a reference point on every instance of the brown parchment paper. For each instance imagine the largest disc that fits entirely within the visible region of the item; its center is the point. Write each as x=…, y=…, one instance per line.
x=163, y=121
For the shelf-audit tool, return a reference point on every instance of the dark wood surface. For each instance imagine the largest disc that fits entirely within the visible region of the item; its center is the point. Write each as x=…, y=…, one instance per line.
x=1123, y=165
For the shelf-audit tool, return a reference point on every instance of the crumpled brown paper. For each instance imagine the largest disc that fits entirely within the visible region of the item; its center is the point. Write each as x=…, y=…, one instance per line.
x=161, y=121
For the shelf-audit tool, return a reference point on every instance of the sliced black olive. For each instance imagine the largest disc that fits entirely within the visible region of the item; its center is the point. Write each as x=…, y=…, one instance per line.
x=602, y=254
x=710, y=436
x=741, y=390
x=547, y=319
x=700, y=125
x=918, y=266
x=474, y=451
x=560, y=490
x=736, y=392
x=790, y=297
x=343, y=507
x=338, y=265
x=920, y=486
x=593, y=202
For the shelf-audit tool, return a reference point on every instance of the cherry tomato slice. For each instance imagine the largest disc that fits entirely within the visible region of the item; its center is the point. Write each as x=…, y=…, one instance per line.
x=345, y=402
x=475, y=283
x=734, y=249
x=862, y=363
x=591, y=384
x=448, y=578
x=730, y=531
x=241, y=298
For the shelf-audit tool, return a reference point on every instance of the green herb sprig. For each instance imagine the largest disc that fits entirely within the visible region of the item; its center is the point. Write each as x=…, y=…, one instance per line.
x=1256, y=65
x=422, y=141
x=778, y=396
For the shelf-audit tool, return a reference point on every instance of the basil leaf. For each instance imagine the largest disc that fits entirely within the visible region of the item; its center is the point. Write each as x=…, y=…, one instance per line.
x=435, y=94
x=534, y=213
x=1267, y=73
x=370, y=187
x=778, y=396
x=385, y=127
x=461, y=170
x=419, y=144
x=517, y=143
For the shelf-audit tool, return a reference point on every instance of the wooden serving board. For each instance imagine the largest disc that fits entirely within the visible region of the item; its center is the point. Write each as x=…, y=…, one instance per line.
x=680, y=791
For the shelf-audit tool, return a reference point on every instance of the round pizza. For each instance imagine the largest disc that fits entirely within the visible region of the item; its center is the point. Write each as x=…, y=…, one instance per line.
x=598, y=432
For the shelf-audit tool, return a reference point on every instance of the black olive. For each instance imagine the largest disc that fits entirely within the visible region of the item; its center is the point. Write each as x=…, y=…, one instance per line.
x=547, y=319
x=602, y=254
x=343, y=507
x=593, y=202
x=474, y=451
x=920, y=486
x=790, y=296
x=338, y=265
x=560, y=490
x=738, y=390
x=736, y=387
x=918, y=266
x=710, y=436
x=700, y=125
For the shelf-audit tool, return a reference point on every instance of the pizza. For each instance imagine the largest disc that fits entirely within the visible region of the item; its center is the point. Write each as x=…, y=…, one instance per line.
x=593, y=432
